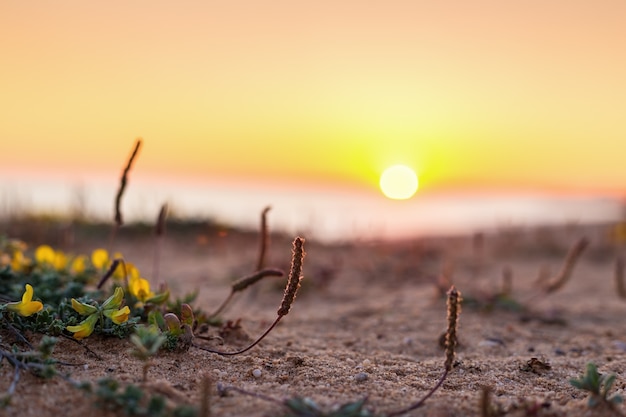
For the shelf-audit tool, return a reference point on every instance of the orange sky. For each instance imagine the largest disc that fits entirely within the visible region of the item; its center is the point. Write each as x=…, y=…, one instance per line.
x=513, y=95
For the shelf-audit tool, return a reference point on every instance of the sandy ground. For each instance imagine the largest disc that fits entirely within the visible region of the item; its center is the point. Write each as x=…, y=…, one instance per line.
x=367, y=323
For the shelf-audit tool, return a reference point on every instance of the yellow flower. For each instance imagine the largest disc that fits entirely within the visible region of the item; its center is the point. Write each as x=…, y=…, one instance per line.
x=82, y=308
x=19, y=262
x=60, y=261
x=27, y=306
x=118, y=316
x=100, y=258
x=85, y=328
x=140, y=289
x=44, y=254
x=131, y=269
x=78, y=265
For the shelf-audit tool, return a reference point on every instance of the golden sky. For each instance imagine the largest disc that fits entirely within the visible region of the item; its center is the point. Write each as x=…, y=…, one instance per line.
x=472, y=94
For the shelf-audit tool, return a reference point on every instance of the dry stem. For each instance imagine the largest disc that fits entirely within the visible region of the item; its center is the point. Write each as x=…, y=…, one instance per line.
x=120, y=192
x=159, y=231
x=245, y=282
x=289, y=296
x=568, y=266
x=264, y=239
x=454, y=310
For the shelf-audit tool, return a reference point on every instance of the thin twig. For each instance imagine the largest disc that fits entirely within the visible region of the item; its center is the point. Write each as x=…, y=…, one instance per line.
x=83, y=345
x=18, y=334
x=247, y=348
x=223, y=390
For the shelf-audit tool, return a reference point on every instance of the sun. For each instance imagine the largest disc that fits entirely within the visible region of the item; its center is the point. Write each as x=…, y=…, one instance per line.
x=398, y=182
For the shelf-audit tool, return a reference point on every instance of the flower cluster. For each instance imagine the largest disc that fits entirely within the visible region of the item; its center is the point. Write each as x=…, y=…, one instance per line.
x=111, y=308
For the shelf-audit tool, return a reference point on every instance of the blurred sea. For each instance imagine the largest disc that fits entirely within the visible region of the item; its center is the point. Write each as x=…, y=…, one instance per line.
x=327, y=215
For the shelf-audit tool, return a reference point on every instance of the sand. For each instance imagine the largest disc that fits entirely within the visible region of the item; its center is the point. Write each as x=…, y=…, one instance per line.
x=367, y=322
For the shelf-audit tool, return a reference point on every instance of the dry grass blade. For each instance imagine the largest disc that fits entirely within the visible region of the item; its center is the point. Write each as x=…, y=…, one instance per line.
x=289, y=296
x=159, y=231
x=453, y=313
x=123, y=181
x=565, y=273
x=485, y=402
x=264, y=239
x=205, y=396
x=245, y=282
x=110, y=271
x=159, y=228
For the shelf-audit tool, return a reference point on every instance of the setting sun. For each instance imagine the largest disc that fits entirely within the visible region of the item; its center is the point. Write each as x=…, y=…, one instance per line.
x=398, y=182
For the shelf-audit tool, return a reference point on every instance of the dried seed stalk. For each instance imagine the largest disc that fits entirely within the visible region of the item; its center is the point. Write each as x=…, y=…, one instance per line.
x=568, y=266
x=159, y=228
x=110, y=271
x=485, y=402
x=264, y=239
x=123, y=180
x=205, y=396
x=159, y=231
x=453, y=312
x=289, y=296
x=619, y=277
x=294, y=277
x=245, y=282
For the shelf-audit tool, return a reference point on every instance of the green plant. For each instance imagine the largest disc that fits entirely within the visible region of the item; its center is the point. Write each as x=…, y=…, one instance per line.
x=133, y=400
x=147, y=341
x=598, y=385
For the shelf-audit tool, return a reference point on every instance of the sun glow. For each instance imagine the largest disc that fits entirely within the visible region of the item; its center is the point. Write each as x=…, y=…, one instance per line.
x=398, y=182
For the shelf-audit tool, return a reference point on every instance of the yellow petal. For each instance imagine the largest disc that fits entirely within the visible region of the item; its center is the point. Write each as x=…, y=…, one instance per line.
x=44, y=254
x=119, y=316
x=114, y=301
x=82, y=308
x=28, y=294
x=60, y=260
x=85, y=328
x=140, y=288
x=30, y=308
x=78, y=265
x=26, y=307
x=100, y=258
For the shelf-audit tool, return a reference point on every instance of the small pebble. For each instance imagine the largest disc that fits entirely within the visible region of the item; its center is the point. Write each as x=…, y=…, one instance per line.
x=366, y=362
x=257, y=373
x=361, y=377
x=618, y=344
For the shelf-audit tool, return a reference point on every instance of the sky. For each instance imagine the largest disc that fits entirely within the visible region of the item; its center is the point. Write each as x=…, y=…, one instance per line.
x=476, y=96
